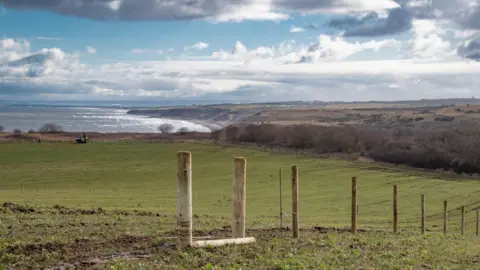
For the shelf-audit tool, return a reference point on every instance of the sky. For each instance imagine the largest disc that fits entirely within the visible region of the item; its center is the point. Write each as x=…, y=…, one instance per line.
x=239, y=50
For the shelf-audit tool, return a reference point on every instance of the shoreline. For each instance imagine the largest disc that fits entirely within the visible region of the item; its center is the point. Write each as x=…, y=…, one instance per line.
x=208, y=124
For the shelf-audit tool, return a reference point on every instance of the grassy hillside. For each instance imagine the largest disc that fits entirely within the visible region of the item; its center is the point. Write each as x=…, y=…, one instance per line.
x=135, y=187
x=143, y=177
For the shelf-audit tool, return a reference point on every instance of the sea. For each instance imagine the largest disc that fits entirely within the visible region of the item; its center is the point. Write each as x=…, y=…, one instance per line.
x=103, y=119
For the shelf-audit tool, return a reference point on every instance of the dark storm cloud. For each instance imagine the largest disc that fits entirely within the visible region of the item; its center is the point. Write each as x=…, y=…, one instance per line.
x=132, y=9
x=470, y=49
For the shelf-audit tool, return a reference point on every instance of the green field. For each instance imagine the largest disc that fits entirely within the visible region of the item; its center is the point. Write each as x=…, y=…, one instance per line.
x=140, y=178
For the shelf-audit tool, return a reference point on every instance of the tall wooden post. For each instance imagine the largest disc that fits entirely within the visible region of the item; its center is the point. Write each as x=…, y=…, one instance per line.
x=354, y=205
x=239, y=193
x=184, y=199
x=281, y=201
x=295, y=201
x=445, y=217
x=395, y=209
x=422, y=218
x=462, y=223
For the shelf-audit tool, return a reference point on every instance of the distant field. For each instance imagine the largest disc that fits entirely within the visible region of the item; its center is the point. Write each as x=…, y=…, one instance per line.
x=142, y=176
x=134, y=186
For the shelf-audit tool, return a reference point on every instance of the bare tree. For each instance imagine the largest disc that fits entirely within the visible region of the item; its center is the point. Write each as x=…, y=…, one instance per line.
x=2, y=129
x=166, y=128
x=50, y=128
x=17, y=131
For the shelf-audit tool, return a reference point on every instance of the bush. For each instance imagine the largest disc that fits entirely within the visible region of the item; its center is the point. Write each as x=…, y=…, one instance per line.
x=417, y=119
x=31, y=131
x=17, y=131
x=166, y=128
x=2, y=129
x=445, y=118
x=182, y=131
x=434, y=145
x=50, y=128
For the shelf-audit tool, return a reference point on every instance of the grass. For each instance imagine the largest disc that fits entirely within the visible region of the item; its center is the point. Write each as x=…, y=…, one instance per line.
x=135, y=185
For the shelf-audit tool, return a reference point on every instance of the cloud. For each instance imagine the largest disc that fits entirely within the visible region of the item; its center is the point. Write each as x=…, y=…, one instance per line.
x=259, y=74
x=337, y=48
x=146, y=51
x=372, y=24
x=91, y=50
x=470, y=49
x=199, y=46
x=240, y=52
x=49, y=38
x=134, y=10
x=429, y=41
x=326, y=48
x=465, y=13
x=17, y=61
x=337, y=6
x=295, y=29
x=217, y=10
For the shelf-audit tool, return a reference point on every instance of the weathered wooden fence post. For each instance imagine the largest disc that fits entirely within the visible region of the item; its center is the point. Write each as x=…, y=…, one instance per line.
x=395, y=209
x=462, y=223
x=354, y=205
x=445, y=217
x=422, y=218
x=281, y=201
x=184, y=199
x=295, y=201
x=477, y=225
x=239, y=193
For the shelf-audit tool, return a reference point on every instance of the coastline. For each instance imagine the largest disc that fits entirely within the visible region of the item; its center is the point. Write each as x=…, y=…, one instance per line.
x=208, y=124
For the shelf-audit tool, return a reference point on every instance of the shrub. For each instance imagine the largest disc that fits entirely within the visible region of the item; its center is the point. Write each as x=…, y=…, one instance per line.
x=417, y=119
x=431, y=145
x=445, y=118
x=17, y=131
x=182, y=130
x=166, y=128
x=50, y=128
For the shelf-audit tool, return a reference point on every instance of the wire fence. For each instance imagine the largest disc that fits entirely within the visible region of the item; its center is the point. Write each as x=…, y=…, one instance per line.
x=322, y=205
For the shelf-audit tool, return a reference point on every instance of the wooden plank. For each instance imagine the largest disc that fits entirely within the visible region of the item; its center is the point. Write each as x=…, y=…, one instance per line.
x=223, y=242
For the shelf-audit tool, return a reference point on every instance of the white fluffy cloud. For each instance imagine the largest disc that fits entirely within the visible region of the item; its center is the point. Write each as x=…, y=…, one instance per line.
x=146, y=51
x=326, y=48
x=91, y=50
x=260, y=74
x=199, y=46
x=296, y=29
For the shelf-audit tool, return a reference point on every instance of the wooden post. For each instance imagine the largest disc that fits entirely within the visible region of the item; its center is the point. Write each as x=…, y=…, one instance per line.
x=395, y=209
x=422, y=215
x=184, y=199
x=477, y=225
x=462, y=224
x=295, y=201
x=281, y=203
x=239, y=197
x=354, y=205
x=445, y=204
